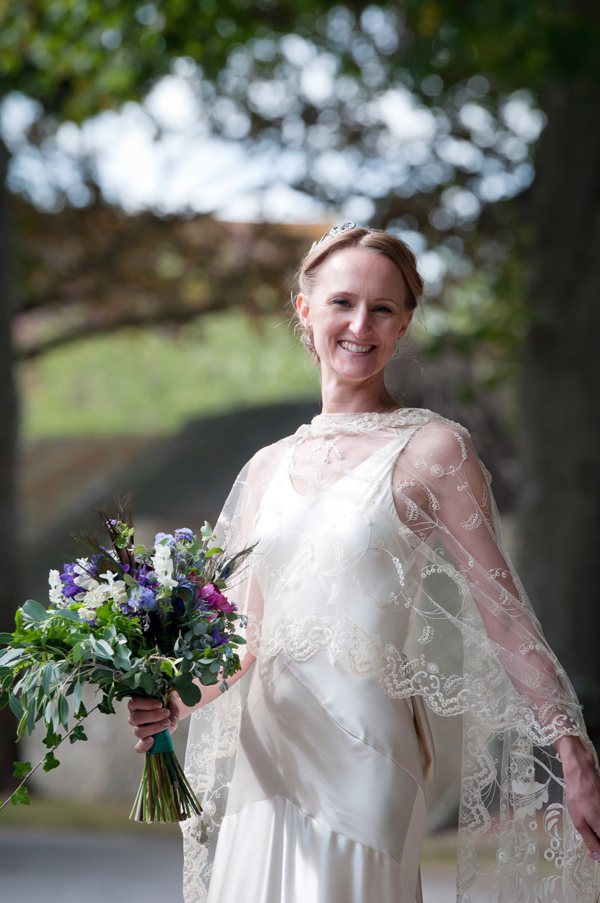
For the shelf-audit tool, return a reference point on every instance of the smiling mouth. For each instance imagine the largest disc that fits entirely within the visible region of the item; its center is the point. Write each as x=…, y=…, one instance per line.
x=357, y=349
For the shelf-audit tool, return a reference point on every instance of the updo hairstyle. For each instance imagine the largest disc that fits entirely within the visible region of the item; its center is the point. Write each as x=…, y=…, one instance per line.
x=356, y=237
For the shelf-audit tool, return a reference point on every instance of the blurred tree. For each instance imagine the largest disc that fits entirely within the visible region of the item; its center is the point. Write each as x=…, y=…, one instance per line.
x=92, y=271
x=75, y=58
x=335, y=83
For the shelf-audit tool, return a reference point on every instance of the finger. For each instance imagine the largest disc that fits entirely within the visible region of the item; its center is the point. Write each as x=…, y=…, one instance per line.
x=591, y=841
x=142, y=746
x=148, y=716
x=143, y=731
x=143, y=703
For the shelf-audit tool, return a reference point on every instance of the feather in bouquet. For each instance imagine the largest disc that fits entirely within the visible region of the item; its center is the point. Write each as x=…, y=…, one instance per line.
x=128, y=621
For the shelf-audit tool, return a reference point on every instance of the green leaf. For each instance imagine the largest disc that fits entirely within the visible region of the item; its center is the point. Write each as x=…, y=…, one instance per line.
x=46, y=678
x=6, y=638
x=35, y=611
x=106, y=706
x=101, y=647
x=52, y=739
x=20, y=796
x=77, y=692
x=16, y=706
x=146, y=683
x=21, y=769
x=77, y=734
x=63, y=710
x=78, y=653
x=190, y=695
x=31, y=713
x=50, y=761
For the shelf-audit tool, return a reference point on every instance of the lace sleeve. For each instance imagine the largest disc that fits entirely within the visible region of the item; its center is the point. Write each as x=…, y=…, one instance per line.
x=442, y=491
x=477, y=649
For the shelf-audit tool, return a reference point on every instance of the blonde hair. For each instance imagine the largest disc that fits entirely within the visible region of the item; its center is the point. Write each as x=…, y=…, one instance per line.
x=376, y=240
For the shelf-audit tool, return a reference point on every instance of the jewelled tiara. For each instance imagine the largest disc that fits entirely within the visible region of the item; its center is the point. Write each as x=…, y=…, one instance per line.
x=333, y=233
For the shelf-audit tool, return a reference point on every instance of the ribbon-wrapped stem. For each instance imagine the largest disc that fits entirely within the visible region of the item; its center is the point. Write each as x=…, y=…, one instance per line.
x=164, y=794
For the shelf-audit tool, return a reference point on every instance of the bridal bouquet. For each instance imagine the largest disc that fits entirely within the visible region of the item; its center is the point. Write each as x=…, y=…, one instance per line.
x=128, y=621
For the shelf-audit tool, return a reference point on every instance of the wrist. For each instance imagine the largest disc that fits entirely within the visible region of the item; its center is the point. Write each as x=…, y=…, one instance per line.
x=572, y=753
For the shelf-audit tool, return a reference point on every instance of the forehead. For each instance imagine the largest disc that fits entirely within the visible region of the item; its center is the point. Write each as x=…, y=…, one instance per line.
x=357, y=268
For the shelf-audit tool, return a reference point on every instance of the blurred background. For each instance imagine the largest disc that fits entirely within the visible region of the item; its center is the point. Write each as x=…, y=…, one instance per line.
x=163, y=167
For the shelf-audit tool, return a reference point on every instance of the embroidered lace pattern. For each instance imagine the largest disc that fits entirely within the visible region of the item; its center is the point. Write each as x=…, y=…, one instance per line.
x=389, y=554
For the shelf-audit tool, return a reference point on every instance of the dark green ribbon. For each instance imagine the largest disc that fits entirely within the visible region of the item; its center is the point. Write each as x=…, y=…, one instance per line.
x=162, y=743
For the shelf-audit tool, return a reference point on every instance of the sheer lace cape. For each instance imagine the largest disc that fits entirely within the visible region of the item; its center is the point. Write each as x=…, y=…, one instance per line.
x=457, y=630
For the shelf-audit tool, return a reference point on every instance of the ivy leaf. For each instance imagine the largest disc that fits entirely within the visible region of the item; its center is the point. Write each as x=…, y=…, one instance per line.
x=77, y=734
x=20, y=796
x=50, y=761
x=21, y=769
x=52, y=739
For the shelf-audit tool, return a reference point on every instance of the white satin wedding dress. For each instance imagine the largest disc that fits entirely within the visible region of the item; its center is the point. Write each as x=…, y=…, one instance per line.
x=326, y=804
x=379, y=582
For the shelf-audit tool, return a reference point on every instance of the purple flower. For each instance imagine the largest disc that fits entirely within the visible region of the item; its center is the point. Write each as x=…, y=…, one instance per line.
x=143, y=598
x=184, y=533
x=214, y=599
x=68, y=579
x=217, y=639
x=160, y=536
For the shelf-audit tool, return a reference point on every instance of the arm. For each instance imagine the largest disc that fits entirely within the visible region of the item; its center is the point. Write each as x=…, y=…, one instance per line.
x=148, y=717
x=442, y=493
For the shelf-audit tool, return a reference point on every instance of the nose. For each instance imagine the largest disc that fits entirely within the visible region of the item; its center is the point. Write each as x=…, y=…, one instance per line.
x=361, y=322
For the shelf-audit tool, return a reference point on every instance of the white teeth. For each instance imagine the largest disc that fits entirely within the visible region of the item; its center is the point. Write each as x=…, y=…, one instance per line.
x=362, y=349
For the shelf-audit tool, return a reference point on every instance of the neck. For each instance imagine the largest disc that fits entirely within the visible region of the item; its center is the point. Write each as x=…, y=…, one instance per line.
x=348, y=398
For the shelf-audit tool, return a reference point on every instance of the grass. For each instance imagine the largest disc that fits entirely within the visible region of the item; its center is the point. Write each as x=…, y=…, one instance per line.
x=154, y=380
x=56, y=814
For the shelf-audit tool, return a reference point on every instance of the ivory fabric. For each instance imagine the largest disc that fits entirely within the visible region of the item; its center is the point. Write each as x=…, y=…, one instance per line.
x=379, y=575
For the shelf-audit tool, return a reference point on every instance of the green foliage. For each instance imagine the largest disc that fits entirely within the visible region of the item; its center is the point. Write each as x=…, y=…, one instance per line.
x=20, y=795
x=53, y=653
x=112, y=384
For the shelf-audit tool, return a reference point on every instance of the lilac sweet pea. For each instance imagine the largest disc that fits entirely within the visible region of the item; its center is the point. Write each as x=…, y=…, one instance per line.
x=70, y=588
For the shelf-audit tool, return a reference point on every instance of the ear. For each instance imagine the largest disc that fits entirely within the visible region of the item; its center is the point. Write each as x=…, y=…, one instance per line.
x=303, y=310
x=405, y=323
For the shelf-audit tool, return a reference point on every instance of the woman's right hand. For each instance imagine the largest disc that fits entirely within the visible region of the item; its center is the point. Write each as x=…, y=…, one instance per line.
x=148, y=717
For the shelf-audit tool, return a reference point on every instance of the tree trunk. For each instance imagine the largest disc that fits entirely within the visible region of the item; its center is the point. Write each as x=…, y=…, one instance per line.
x=560, y=504
x=9, y=541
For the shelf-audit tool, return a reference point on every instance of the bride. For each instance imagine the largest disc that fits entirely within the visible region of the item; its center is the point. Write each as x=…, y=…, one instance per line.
x=379, y=586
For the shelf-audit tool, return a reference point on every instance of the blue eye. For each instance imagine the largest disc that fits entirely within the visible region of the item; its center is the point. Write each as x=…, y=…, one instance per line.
x=341, y=301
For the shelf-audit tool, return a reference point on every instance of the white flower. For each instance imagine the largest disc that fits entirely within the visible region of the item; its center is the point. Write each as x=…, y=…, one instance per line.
x=56, y=597
x=163, y=566
x=83, y=579
x=86, y=614
x=101, y=593
x=109, y=576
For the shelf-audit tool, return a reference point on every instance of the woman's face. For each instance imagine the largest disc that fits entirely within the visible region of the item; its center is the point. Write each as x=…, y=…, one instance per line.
x=356, y=312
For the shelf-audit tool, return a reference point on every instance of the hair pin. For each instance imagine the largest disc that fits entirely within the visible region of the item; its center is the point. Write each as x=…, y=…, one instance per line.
x=333, y=233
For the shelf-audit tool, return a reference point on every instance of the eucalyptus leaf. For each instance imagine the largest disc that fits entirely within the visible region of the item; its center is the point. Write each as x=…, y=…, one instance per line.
x=190, y=694
x=16, y=706
x=34, y=611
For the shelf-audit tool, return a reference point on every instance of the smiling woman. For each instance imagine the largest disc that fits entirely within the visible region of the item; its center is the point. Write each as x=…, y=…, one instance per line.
x=379, y=584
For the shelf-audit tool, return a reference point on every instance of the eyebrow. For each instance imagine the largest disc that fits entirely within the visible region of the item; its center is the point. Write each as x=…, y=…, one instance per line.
x=353, y=295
